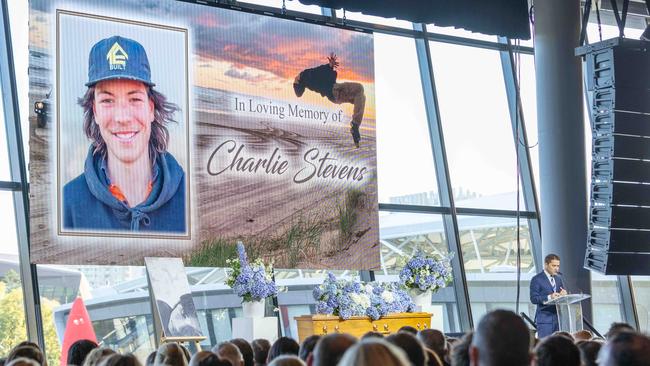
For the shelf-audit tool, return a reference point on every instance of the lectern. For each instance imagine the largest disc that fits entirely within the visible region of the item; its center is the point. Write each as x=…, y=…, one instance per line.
x=569, y=311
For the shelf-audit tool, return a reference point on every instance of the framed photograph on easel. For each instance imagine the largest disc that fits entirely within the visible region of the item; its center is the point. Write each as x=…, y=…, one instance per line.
x=172, y=299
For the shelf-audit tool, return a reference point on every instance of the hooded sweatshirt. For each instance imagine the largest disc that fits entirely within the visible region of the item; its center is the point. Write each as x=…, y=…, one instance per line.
x=320, y=79
x=89, y=205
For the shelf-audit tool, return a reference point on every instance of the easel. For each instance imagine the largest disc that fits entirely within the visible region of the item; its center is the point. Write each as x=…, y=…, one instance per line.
x=195, y=340
x=159, y=333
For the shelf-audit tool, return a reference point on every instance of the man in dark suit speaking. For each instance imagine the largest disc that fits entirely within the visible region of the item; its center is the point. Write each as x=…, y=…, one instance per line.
x=544, y=286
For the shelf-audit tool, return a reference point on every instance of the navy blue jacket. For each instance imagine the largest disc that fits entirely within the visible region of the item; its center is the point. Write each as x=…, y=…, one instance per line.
x=320, y=79
x=88, y=205
x=540, y=288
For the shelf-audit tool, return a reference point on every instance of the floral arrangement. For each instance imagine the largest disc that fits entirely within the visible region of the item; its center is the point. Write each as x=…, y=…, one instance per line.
x=425, y=273
x=346, y=298
x=251, y=281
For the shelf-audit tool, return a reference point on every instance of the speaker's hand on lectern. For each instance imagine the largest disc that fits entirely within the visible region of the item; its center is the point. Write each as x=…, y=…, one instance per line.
x=563, y=292
x=555, y=295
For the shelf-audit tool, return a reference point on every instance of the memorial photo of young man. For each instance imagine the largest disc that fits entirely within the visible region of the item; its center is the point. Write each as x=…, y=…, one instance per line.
x=322, y=80
x=130, y=182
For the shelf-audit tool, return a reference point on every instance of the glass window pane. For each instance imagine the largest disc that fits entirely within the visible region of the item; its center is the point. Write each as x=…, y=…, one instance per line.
x=529, y=104
x=459, y=32
x=605, y=300
x=641, y=286
x=401, y=235
x=13, y=329
x=19, y=37
x=528, y=95
x=406, y=173
x=375, y=19
x=117, y=300
x=489, y=247
x=476, y=126
x=611, y=31
x=5, y=172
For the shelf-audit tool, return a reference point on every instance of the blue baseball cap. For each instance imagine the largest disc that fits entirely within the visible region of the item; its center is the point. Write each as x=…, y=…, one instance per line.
x=118, y=57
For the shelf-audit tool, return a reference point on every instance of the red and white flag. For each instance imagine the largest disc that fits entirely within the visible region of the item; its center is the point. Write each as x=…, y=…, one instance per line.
x=78, y=327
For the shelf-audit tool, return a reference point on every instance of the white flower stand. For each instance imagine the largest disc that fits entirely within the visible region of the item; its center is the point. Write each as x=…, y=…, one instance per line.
x=422, y=301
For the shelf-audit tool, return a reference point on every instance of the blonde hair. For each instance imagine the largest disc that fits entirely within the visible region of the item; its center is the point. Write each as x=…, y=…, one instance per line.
x=374, y=351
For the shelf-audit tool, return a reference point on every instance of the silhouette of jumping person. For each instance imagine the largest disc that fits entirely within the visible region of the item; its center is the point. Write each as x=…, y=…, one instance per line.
x=322, y=80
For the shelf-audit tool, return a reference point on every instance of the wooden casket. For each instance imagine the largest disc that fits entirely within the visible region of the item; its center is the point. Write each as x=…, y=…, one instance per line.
x=359, y=325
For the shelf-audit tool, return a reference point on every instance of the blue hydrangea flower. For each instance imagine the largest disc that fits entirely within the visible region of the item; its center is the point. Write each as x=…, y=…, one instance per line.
x=251, y=281
x=426, y=273
x=352, y=298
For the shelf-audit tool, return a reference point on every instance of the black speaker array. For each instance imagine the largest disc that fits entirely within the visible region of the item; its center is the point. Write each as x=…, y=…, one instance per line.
x=618, y=75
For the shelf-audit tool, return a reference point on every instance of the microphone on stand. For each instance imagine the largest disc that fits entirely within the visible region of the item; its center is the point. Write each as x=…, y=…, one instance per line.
x=563, y=284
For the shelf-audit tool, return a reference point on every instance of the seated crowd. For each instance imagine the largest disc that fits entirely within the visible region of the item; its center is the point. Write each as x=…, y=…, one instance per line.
x=500, y=338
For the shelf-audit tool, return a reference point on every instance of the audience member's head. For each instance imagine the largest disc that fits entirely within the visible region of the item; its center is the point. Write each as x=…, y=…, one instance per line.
x=372, y=352
x=409, y=344
x=616, y=328
x=432, y=358
x=564, y=334
x=120, y=360
x=330, y=349
x=27, y=351
x=582, y=335
x=245, y=349
x=28, y=343
x=230, y=352
x=207, y=358
x=307, y=346
x=186, y=353
x=372, y=334
x=434, y=340
x=408, y=329
x=23, y=361
x=170, y=354
x=287, y=360
x=501, y=338
x=283, y=346
x=260, y=351
x=203, y=358
x=97, y=355
x=588, y=352
x=625, y=348
x=557, y=350
x=459, y=355
x=79, y=350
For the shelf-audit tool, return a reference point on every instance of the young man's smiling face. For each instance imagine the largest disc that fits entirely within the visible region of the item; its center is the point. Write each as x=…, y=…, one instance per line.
x=124, y=113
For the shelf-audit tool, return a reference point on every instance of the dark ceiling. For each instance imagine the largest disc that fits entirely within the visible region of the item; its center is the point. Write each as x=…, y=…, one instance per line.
x=508, y=18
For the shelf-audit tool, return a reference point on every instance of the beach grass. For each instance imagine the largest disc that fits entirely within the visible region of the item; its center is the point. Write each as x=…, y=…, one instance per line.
x=212, y=253
x=303, y=237
x=300, y=240
x=348, y=215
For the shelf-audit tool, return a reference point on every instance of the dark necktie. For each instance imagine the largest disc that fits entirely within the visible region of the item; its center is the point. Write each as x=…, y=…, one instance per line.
x=553, y=283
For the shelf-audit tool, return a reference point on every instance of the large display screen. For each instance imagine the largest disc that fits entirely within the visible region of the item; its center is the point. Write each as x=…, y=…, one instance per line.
x=165, y=128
